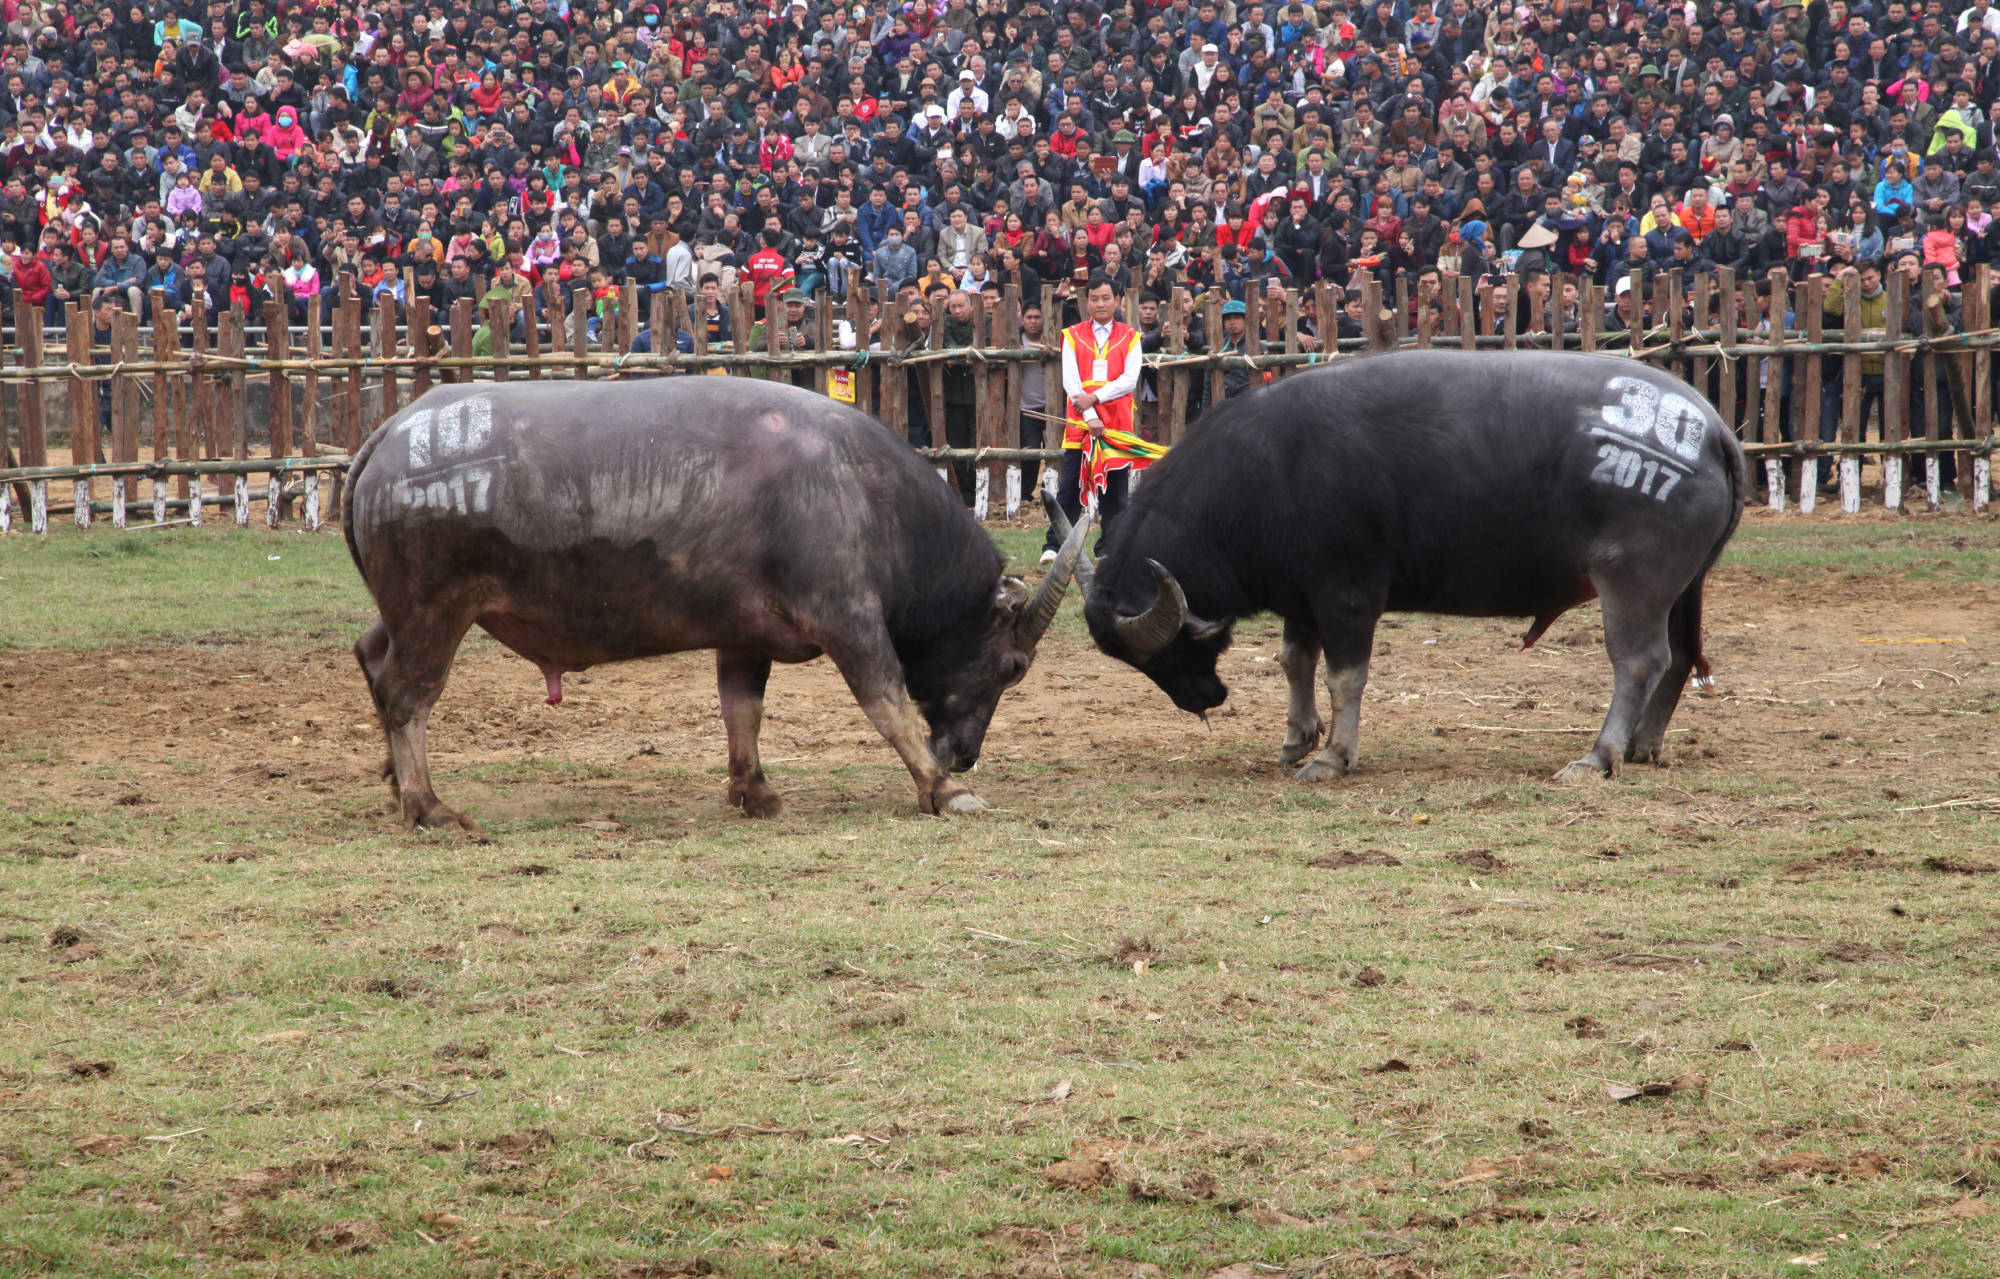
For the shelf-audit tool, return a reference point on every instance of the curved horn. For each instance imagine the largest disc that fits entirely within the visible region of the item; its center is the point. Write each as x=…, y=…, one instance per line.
x=1155, y=628
x=1086, y=567
x=1033, y=623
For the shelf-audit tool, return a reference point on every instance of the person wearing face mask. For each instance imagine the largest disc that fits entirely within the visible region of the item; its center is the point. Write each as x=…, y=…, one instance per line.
x=895, y=262
x=286, y=137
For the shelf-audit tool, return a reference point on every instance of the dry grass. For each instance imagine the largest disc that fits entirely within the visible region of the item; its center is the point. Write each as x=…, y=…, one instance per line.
x=1122, y=1026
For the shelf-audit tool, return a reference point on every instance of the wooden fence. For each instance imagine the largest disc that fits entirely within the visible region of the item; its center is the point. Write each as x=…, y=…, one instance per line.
x=175, y=402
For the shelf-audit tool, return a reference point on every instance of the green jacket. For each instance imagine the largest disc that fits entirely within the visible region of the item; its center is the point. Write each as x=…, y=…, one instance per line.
x=1874, y=315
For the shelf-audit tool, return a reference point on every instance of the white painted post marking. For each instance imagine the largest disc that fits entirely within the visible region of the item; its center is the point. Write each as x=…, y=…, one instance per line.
x=980, y=484
x=1808, y=485
x=1892, y=482
x=159, y=501
x=82, y=501
x=1774, y=477
x=1013, y=492
x=1933, y=492
x=274, y=502
x=118, y=503
x=242, y=496
x=1982, y=482
x=1850, y=485
x=944, y=475
x=194, y=501
x=1132, y=481
x=38, y=514
x=312, y=501
x=6, y=508
x=1051, y=482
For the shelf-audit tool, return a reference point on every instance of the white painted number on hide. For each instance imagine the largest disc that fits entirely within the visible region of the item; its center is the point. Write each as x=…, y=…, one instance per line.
x=1654, y=437
x=440, y=437
x=445, y=443
x=1623, y=468
x=1672, y=419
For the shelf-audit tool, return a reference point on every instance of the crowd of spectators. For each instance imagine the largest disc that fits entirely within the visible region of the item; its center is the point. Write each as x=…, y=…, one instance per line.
x=260, y=148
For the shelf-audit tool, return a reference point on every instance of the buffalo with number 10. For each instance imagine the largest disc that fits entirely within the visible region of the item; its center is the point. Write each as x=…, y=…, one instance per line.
x=582, y=524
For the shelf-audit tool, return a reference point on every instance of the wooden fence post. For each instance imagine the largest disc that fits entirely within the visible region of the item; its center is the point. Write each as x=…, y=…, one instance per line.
x=234, y=415
x=34, y=426
x=83, y=417
x=1174, y=382
x=309, y=382
x=1936, y=383
x=1895, y=388
x=207, y=441
x=1975, y=480
x=1004, y=388
x=461, y=337
x=532, y=346
x=1770, y=432
x=417, y=315
x=1726, y=300
x=1850, y=404
x=1808, y=371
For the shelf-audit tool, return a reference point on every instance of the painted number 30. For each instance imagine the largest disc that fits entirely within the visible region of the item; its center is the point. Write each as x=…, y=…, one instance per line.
x=1624, y=468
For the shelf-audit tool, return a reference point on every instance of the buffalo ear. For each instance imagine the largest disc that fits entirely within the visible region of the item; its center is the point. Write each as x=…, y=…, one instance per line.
x=1011, y=596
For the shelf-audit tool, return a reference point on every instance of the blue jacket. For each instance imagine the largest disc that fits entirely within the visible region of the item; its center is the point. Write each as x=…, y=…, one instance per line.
x=871, y=223
x=113, y=276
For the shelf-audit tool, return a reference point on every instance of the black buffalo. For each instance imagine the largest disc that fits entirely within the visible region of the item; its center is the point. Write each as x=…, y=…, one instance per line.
x=587, y=524
x=1471, y=484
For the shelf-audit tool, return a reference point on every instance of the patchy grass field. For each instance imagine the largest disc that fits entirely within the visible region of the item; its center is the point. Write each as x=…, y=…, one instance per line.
x=1163, y=1012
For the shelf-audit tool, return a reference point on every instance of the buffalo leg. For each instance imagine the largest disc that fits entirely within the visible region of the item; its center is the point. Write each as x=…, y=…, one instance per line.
x=1635, y=636
x=405, y=680
x=876, y=680
x=1649, y=740
x=739, y=682
x=1344, y=685
x=1300, y=661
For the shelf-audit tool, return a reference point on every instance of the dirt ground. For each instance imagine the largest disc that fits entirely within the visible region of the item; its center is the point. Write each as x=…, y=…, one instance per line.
x=1806, y=670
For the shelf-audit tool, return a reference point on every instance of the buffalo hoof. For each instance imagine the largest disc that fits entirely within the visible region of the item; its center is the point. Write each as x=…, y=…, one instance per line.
x=762, y=802
x=1292, y=752
x=1321, y=770
x=1646, y=755
x=964, y=803
x=436, y=816
x=1583, y=770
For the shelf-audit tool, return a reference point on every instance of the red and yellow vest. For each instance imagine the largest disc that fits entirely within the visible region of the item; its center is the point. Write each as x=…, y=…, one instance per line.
x=1122, y=345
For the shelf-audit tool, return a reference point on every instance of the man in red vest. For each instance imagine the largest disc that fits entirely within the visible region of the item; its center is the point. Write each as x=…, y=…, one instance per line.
x=1101, y=366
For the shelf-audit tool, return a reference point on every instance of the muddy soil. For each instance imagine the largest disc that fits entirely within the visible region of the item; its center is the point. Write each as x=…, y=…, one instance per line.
x=1883, y=678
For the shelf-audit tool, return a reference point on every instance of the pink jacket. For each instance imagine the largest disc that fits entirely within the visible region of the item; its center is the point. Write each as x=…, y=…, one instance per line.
x=287, y=141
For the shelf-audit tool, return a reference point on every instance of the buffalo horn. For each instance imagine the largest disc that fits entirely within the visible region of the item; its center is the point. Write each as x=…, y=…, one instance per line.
x=1041, y=610
x=1155, y=628
x=1086, y=567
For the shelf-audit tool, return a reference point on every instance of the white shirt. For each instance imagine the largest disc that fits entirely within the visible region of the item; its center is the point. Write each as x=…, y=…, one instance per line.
x=1124, y=384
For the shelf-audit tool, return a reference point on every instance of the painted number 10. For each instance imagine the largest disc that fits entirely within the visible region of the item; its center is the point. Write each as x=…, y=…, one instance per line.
x=1624, y=468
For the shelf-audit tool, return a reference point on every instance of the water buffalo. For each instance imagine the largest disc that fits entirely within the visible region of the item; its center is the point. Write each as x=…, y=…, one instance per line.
x=587, y=524
x=1479, y=485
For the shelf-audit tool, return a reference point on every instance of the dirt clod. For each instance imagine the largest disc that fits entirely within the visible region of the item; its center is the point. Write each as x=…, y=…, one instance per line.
x=1370, y=976
x=1481, y=859
x=1342, y=860
x=1961, y=866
